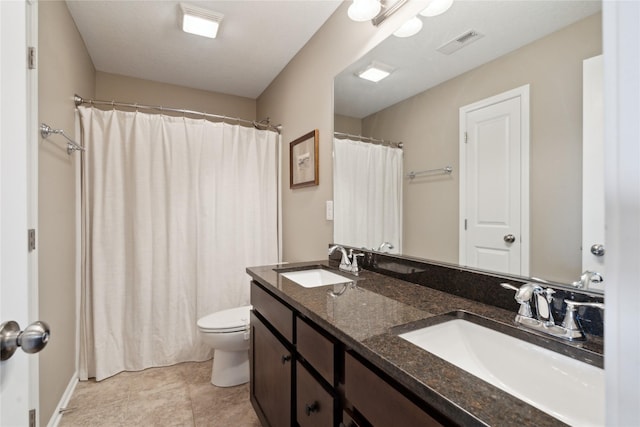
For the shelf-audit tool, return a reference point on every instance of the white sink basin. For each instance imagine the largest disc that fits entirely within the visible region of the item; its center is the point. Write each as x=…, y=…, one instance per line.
x=315, y=277
x=567, y=389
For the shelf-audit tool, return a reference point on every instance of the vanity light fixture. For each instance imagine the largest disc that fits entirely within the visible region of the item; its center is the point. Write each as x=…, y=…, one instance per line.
x=200, y=21
x=375, y=72
x=437, y=7
x=364, y=10
x=409, y=28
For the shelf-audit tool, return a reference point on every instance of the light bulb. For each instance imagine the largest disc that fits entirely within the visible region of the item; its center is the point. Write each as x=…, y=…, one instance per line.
x=437, y=7
x=364, y=10
x=409, y=28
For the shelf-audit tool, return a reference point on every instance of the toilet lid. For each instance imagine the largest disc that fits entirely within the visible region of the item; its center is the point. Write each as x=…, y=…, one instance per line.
x=230, y=320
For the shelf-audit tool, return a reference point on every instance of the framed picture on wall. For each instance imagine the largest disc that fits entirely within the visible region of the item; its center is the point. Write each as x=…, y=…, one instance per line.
x=303, y=161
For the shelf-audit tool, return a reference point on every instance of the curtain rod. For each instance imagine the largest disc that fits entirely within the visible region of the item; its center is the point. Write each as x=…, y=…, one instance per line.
x=264, y=124
x=368, y=139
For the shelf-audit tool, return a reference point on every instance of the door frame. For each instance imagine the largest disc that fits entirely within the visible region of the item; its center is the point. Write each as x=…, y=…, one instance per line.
x=20, y=123
x=621, y=47
x=521, y=92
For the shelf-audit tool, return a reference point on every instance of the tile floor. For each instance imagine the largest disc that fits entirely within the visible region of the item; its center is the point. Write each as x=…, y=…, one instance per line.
x=179, y=395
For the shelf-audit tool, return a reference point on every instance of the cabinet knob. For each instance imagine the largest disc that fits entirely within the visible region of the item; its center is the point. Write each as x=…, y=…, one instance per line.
x=310, y=408
x=286, y=358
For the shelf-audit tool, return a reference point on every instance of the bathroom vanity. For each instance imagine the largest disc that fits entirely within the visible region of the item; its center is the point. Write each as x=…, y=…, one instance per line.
x=332, y=355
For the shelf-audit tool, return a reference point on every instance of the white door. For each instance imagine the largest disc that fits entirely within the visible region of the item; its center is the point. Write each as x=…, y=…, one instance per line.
x=494, y=183
x=17, y=394
x=593, y=170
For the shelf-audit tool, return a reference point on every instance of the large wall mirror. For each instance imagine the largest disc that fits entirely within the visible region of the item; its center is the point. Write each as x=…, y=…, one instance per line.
x=452, y=78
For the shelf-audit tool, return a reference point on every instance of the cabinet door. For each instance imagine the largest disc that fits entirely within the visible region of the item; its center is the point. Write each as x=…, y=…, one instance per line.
x=271, y=374
x=314, y=405
x=378, y=401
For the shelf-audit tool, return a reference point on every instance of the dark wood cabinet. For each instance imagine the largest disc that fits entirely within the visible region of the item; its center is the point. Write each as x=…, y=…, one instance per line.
x=302, y=376
x=271, y=376
x=317, y=349
x=379, y=402
x=315, y=406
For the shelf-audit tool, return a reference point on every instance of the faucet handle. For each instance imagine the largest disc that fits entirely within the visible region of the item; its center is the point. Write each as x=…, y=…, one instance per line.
x=522, y=297
x=572, y=305
x=354, y=261
x=570, y=324
x=509, y=286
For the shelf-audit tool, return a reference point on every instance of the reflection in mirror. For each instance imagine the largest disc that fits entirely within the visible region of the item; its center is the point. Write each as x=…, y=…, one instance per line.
x=537, y=45
x=361, y=168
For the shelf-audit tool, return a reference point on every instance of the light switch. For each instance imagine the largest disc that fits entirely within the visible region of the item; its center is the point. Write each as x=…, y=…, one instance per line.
x=329, y=209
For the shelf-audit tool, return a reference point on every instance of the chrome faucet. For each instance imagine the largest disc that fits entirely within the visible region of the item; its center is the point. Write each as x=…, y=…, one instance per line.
x=383, y=245
x=348, y=263
x=345, y=264
x=523, y=297
x=354, y=261
x=570, y=325
x=587, y=278
x=544, y=322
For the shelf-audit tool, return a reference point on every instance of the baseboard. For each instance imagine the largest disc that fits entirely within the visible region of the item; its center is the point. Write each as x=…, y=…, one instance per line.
x=64, y=401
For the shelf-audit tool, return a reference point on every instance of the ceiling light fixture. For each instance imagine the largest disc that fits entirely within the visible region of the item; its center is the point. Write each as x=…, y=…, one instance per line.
x=409, y=28
x=375, y=72
x=437, y=7
x=364, y=10
x=199, y=21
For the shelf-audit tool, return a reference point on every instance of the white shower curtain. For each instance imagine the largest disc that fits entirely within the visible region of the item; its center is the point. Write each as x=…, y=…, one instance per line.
x=174, y=210
x=367, y=194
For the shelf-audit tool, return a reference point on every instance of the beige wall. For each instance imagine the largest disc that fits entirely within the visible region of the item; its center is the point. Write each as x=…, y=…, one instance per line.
x=115, y=87
x=346, y=124
x=64, y=68
x=301, y=98
x=428, y=125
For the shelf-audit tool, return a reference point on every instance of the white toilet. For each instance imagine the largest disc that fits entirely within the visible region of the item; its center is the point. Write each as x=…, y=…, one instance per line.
x=227, y=332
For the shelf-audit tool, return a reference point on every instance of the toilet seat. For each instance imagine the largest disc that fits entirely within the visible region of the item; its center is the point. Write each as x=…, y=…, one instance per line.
x=225, y=321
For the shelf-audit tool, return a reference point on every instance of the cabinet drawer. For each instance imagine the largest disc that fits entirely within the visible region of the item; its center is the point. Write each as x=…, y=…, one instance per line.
x=378, y=401
x=314, y=405
x=276, y=313
x=316, y=349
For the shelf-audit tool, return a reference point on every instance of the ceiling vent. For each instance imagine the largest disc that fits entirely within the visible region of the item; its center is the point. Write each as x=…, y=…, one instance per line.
x=459, y=42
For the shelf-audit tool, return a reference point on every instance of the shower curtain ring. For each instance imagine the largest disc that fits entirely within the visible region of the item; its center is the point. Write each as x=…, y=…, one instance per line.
x=113, y=105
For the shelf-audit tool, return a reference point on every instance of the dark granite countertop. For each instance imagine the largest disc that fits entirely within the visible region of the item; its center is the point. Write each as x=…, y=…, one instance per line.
x=366, y=319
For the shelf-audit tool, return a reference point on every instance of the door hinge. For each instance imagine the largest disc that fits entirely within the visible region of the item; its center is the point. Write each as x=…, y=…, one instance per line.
x=466, y=137
x=31, y=57
x=31, y=239
x=32, y=418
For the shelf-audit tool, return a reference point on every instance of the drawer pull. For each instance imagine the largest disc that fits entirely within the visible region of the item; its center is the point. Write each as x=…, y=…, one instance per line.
x=309, y=409
x=286, y=358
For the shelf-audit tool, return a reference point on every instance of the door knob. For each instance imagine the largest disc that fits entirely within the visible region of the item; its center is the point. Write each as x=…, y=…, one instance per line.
x=33, y=339
x=597, y=249
x=509, y=238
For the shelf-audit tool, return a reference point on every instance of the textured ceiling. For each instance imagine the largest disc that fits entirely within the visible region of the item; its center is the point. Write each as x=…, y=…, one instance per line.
x=143, y=39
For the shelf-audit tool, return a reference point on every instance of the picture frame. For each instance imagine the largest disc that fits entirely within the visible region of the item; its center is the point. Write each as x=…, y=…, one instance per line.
x=303, y=161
